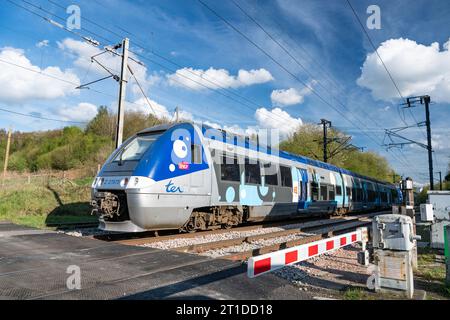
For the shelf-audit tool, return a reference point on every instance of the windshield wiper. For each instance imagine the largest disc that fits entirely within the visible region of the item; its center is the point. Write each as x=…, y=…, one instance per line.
x=120, y=156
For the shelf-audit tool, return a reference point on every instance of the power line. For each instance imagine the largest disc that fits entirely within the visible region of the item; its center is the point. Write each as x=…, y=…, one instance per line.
x=283, y=67
x=163, y=58
x=292, y=57
x=153, y=61
x=376, y=50
x=42, y=118
x=379, y=57
x=142, y=90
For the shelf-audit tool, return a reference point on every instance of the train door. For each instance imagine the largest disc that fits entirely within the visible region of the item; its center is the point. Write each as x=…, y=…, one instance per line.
x=199, y=182
x=364, y=190
x=295, y=184
x=303, y=196
x=314, y=187
x=339, y=186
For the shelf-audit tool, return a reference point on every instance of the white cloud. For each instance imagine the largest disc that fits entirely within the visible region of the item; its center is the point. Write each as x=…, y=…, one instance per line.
x=286, y=97
x=267, y=120
x=278, y=119
x=82, y=112
x=291, y=96
x=217, y=78
x=159, y=110
x=43, y=43
x=20, y=85
x=417, y=69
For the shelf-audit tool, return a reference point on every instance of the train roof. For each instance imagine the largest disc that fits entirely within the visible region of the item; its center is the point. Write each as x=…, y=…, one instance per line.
x=268, y=150
x=160, y=127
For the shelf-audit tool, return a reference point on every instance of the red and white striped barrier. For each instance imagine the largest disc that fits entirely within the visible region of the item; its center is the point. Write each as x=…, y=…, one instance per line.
x=276, y=260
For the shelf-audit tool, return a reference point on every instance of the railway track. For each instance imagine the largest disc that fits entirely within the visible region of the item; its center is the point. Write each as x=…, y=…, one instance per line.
x=145, y=239
x=237, y=248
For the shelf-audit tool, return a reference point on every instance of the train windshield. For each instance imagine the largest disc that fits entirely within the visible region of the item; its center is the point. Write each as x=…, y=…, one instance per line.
x=135, y=149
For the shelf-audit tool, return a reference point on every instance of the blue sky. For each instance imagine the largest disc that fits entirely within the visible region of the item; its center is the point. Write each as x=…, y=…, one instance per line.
x=324, y=37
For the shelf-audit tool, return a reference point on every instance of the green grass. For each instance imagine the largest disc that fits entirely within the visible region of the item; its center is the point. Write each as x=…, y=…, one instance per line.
x=357, y=294
x=432, y=271
x=40, y=205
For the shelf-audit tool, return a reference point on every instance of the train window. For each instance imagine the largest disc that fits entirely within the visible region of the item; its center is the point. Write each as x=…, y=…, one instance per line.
x=371, y=195
x=323, y=192
x=252, y=172
x=286, y=176
x=270, y=173
x=230, y=169
x=135, y=149
x=314, y=191
x=331, y=193
x=338, y=190
x=349, y=192
x=196, y=154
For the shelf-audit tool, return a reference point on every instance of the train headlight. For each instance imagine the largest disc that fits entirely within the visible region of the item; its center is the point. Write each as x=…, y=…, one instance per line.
x=136, y=181
x=125, y=182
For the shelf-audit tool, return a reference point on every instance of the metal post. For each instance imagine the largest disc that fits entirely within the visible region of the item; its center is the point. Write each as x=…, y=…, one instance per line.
x=440, y=180
x=430, y=148
x=122, y=92
x=325, y=123
x=447, y=253
x=8, y=144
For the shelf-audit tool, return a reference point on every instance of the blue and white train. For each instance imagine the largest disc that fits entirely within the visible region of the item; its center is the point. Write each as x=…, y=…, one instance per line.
x=192, y=177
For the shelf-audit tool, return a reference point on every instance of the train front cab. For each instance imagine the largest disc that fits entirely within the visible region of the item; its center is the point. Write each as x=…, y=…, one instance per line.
x=162, y=181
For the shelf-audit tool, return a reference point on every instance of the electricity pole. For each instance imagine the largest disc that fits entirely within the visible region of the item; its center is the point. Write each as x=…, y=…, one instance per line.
x=326, y=124
x=410, y=103
x=426, y=100
x=122, y=92
x=440, y=180
x=8, y=144
x=177, y=110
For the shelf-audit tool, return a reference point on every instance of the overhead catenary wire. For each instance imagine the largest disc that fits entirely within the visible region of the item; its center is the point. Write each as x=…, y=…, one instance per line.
x=153, y=61
x=142, y=91
x=73, y=83
x=40, y=117
x=379, y=57
x=283, y=67
x=150, y=59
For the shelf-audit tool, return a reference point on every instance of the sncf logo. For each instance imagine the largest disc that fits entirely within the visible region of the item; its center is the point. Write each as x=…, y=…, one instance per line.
x=171, y=188
x=183, y=165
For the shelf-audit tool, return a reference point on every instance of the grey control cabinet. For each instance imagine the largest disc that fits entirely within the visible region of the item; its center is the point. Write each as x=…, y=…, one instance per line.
x=393, y=232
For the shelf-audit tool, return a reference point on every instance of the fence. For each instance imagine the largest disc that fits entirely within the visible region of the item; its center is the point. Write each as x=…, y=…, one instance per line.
x=40, y=179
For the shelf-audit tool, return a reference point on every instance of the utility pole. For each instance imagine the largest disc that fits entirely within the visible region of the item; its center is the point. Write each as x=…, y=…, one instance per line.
x=177, y=115
x=122, y=92
x=8, y=144
x=426, y=100
x=326, y=124
x=440, y=180
x=410, y=103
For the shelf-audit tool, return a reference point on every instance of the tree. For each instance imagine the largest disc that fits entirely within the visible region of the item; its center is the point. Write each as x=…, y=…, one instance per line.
x=307, y=141
x=103, y=123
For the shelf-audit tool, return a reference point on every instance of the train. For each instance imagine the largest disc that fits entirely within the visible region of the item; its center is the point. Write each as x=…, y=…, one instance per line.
x=191, y=177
